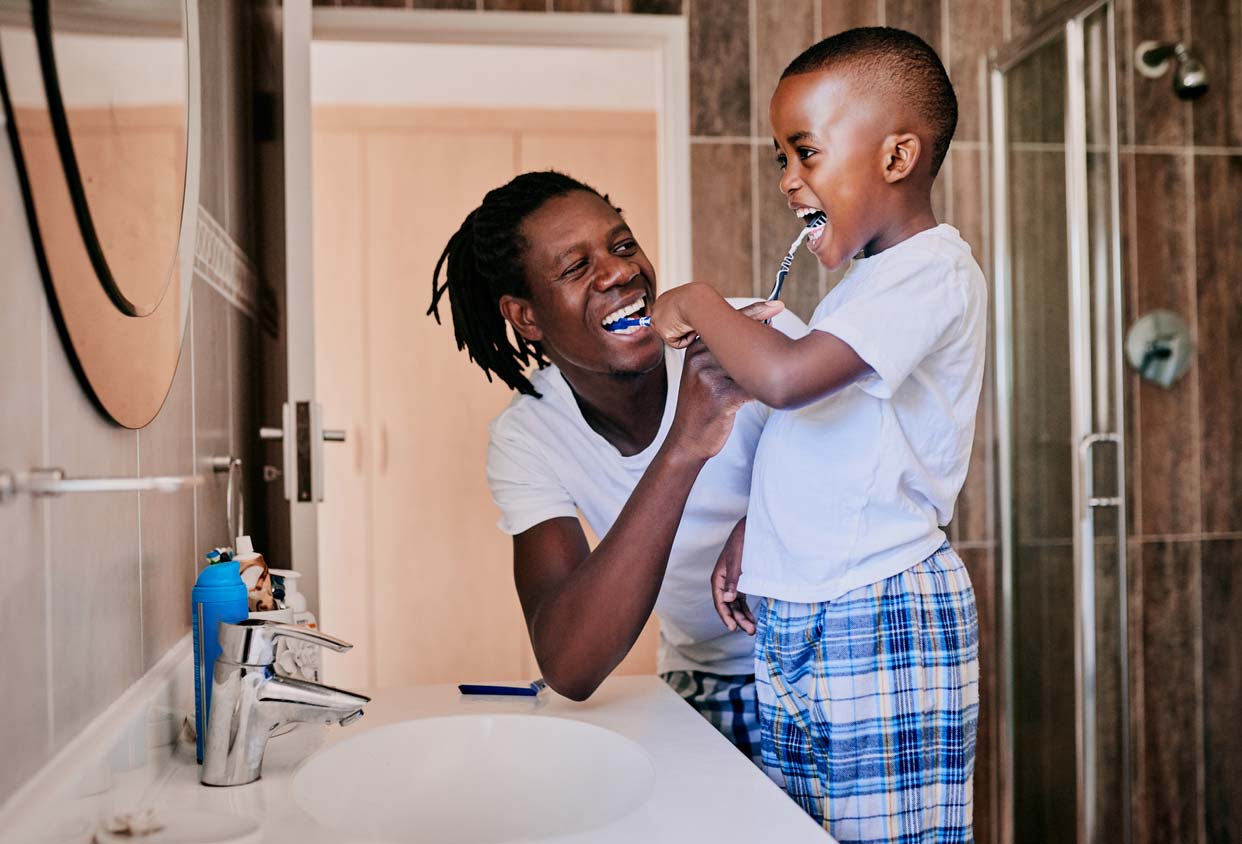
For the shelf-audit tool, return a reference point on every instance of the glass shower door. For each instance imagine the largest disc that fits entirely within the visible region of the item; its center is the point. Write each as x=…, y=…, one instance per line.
x=1060, y=469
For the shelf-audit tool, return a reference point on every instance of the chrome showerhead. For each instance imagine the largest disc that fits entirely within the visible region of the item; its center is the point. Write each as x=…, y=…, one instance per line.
x=1190, y=77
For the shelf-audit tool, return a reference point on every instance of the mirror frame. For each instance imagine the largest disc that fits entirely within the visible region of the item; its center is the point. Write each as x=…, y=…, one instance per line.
x=106, y=373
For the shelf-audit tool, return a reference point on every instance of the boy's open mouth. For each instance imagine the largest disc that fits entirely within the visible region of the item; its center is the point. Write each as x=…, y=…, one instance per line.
x=806, y=213
x=630, y=313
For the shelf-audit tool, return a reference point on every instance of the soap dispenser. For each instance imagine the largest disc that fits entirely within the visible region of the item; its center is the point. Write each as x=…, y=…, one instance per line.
x=218, y=595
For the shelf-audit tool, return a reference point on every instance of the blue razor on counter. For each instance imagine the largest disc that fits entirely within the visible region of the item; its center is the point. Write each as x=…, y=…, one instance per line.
x=515, y=691
x=630, y=322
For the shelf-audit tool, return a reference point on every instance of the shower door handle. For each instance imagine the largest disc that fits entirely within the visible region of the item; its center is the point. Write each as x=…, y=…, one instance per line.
x=1085, y=446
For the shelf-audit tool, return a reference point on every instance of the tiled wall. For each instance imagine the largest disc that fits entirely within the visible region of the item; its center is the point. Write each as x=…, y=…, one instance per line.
x=94, y=589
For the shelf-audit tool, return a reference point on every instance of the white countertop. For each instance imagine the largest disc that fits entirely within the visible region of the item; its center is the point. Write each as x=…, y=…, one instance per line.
x=704, y=789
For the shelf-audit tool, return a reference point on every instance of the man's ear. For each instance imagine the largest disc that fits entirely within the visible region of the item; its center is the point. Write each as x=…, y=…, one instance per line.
x=521, y=315
x=902, y=154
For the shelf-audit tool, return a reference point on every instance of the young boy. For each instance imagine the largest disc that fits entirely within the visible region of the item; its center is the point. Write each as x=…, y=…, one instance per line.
x=866, y=647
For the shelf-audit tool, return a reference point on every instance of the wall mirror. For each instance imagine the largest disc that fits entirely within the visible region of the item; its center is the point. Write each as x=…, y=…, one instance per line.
x=102, y=106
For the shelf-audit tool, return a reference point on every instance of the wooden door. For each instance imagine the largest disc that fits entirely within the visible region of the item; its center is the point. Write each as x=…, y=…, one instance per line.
x=413, y=565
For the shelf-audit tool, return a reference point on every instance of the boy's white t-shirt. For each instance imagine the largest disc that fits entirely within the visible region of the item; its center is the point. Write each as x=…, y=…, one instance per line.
x=544, y=461
x=854, y=488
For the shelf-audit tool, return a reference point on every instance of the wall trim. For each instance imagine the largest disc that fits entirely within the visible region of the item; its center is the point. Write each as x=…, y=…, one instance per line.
x=220, y=262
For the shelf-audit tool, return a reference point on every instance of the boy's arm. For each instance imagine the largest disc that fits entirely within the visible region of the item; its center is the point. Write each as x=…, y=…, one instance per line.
x=777, y=370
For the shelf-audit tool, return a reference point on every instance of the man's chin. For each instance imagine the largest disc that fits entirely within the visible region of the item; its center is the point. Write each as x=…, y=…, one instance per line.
x=639, y=363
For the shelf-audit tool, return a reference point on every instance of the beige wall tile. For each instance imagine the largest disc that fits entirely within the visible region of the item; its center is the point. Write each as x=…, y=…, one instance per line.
x=95, y=596
x=211, y=414
x=25, y=729
x=166, y=447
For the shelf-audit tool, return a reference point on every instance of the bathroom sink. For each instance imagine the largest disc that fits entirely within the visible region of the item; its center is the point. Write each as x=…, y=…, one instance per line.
x=475, y=779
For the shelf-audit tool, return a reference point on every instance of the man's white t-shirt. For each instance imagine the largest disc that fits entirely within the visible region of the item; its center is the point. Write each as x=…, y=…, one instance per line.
x=854, y=488
x=544, y=461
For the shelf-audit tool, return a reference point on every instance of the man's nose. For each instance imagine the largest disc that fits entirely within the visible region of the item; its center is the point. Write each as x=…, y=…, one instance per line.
x=615, y=270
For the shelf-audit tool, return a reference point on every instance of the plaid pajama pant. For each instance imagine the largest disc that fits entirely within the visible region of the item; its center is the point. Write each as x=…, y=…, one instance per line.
x=868, y=705
x=727, y=701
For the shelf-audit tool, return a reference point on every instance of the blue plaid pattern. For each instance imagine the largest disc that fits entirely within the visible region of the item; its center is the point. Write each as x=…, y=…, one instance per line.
x=727, y=701
x=869, y=703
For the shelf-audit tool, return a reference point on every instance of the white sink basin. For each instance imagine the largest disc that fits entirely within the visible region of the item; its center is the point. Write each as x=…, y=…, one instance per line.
x=475, y=779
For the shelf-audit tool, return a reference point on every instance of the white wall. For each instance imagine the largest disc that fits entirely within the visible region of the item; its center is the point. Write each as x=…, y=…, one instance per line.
x=477, y=76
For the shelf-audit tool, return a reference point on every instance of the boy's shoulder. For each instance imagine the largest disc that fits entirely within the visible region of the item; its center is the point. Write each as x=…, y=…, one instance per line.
x=939, y=253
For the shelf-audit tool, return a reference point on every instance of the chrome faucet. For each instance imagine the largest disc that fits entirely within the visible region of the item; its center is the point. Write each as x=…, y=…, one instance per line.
x=249, y=700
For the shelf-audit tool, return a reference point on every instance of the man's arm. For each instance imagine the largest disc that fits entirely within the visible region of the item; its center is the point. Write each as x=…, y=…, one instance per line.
x=777, y=370
x=585, y=609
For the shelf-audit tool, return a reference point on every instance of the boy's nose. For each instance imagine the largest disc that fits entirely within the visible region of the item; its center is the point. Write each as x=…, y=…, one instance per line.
x=790, y=181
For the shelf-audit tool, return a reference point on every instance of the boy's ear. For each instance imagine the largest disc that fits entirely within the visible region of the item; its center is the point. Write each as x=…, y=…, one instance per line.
x=901, y=155
x=521, y=315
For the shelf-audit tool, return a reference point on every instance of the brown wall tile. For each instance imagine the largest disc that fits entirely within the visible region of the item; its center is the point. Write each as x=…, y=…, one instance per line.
x=782, y=31
x=981, y=562
x=1216, y=27
x=1168, y=737
x=444, y=4
x=971, y=521
x=922, y=17
x=1159, y=116
x=719, y=67
x=516, y=5
x=584, y=5
x=1218, y=255
x=838, y=15
x=1222, y=689
x=652, y=7
x=974, y=28
x=1043, y=692
x=1163, y=275
x=720, y=196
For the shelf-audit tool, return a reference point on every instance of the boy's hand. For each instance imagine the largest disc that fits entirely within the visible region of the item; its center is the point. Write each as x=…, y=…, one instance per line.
x=669, y=317
x=731, y=604
x=672, y=314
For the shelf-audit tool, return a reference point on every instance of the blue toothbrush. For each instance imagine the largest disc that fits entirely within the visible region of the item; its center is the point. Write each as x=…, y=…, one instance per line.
x=630, y=322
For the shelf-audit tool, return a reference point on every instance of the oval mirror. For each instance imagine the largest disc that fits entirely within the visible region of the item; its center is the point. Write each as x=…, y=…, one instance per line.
x=103, y=114
x=121, y=82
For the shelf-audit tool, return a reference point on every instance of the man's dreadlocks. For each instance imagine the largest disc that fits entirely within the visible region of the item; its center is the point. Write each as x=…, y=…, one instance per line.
x=484, y=261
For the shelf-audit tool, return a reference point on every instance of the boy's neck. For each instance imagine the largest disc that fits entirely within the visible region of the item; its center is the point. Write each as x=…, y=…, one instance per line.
x=903, y=223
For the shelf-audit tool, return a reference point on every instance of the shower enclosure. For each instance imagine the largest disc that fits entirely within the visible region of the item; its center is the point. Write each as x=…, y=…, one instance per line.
x=1065, y=759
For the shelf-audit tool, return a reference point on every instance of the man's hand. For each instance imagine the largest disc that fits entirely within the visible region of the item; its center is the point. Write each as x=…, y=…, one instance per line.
x=731, y=604
x=706, y=403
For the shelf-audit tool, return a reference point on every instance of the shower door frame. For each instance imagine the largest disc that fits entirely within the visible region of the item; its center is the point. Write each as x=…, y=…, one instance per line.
x=1067, y=22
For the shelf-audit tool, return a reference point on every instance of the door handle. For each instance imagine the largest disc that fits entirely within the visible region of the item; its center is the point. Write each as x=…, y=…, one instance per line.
x=300, y=436
x=1085, y=446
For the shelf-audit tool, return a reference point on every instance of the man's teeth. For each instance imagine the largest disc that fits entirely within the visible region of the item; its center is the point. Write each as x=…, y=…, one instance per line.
x=806, y=212
x=621, y=313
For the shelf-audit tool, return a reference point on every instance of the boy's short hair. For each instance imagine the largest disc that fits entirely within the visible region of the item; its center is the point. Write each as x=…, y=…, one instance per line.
x=902, y=63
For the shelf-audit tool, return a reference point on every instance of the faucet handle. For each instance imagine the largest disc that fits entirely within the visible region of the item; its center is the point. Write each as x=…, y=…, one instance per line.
x=253, y=641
